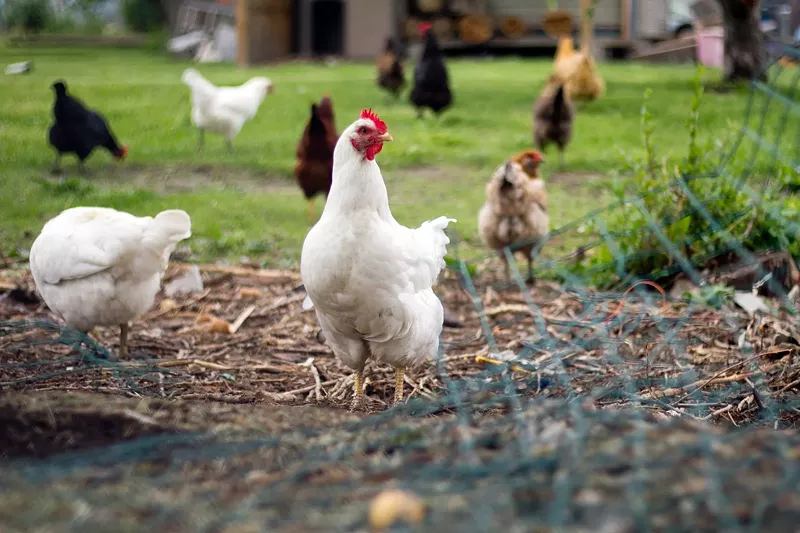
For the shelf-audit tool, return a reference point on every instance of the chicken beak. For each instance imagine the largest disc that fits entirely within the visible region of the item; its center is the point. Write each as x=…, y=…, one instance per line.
x=384, y=137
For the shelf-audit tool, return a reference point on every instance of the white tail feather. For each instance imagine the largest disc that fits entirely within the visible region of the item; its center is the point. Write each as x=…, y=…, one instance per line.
x=168, y=229
x=202, y=89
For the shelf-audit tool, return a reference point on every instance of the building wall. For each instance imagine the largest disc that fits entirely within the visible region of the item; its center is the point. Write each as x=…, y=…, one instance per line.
x=367, y=23
x=650, y=19
x=607, y=12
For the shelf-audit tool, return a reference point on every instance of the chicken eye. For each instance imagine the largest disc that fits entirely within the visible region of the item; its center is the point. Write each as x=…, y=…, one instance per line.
x=363, y=130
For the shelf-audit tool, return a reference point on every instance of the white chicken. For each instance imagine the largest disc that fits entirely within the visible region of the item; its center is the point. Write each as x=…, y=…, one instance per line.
x=368, y=277
x=96, y=266
x=224, y=110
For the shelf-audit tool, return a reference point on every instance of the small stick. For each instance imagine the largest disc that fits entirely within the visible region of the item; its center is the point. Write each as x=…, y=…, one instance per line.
x=212, y=366
x=720, y=411
x=308, y=388
x=187, y=362
x=241, y=318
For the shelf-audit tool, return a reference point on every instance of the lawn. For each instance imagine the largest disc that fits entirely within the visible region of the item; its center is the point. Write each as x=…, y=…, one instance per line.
x=246, y=203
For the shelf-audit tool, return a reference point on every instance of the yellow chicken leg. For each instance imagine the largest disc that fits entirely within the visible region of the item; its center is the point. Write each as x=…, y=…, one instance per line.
x=311, y=210
x=358, y=391
x=398, y=384
x=123, y=341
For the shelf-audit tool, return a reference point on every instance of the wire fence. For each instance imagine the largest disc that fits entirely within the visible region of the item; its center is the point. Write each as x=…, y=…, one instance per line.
x=654, y=404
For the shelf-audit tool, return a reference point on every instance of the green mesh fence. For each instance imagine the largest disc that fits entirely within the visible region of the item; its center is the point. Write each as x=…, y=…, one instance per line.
x=565, y=408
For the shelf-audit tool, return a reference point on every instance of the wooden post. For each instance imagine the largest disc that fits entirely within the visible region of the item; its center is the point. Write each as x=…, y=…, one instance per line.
x=242, y=33
x=625, y=23
x=586, y=26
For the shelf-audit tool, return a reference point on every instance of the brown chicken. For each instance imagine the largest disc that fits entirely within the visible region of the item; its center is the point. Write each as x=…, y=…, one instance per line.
x=552, y=118
x=391, y=75
x=515, y=213
x=314, y=168
x=529, y=160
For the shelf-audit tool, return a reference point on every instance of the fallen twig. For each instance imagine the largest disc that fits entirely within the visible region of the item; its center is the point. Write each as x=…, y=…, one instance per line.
x=241, y=318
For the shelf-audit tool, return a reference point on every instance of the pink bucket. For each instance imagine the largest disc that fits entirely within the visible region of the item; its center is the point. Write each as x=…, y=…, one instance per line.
x=710, y=46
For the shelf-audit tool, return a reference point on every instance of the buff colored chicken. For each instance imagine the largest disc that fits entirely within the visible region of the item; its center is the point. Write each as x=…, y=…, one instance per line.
x=565, y=49
x=578, y=70
x=529, y=160
x=515, y=212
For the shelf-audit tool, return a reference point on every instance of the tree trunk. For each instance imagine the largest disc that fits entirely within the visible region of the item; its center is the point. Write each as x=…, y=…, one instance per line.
x=744, y=42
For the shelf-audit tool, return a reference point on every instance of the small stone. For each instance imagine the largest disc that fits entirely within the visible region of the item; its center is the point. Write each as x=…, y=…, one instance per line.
x=391, y=506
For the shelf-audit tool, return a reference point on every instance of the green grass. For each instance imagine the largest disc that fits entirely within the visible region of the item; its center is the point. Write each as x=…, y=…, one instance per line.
x=246, y=203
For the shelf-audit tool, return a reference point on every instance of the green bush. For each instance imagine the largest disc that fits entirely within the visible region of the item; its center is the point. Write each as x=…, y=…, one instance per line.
x=32, y=16
x=687, y=213
x=143, y=15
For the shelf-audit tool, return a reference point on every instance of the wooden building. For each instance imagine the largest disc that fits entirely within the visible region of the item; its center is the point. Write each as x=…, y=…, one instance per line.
x=357, y=29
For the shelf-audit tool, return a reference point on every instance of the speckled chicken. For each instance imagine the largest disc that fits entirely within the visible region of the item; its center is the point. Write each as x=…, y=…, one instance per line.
x=515, y=213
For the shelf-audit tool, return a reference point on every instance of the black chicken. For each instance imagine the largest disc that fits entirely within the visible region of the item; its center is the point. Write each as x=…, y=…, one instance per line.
x=431, y=84
x=79, y=130
x=391, y=74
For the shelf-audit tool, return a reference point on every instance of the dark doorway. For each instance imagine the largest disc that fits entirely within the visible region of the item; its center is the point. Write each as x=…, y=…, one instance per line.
x=327, y=27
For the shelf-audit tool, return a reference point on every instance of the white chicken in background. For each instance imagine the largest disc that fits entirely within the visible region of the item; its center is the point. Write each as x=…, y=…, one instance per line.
x=224, y=110
x=96, y=266
x=368, y=277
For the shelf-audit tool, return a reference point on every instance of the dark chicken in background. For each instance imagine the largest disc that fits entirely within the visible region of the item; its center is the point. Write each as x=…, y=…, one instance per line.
x=431, y=83
x=391, y=75
x=314, y=168
x=79, y=130
x=552, y=118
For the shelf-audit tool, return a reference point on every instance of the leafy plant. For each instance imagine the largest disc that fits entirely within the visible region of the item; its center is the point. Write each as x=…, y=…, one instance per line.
x=143, y=15
x=672, y=219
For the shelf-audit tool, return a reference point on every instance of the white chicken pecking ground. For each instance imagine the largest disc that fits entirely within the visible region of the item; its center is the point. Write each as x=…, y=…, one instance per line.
x=369, y=278
x=96, y=266
x=224, y=110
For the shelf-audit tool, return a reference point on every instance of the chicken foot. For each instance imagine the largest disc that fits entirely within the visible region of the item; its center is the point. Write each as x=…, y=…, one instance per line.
x=358, y=391
x=398, y=384
x=201, y=139
x=230, y=146
x=560, y=158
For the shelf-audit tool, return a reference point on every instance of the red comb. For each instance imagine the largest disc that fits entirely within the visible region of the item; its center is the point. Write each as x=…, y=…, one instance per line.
x=370, y=114
x=424, y=26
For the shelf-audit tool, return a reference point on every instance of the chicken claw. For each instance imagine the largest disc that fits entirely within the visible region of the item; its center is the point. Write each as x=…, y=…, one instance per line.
x=398, y=384
x=358, y=392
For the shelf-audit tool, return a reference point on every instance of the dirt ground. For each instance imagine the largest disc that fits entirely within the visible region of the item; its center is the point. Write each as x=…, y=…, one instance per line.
x=235, y=384
x=246, y=339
